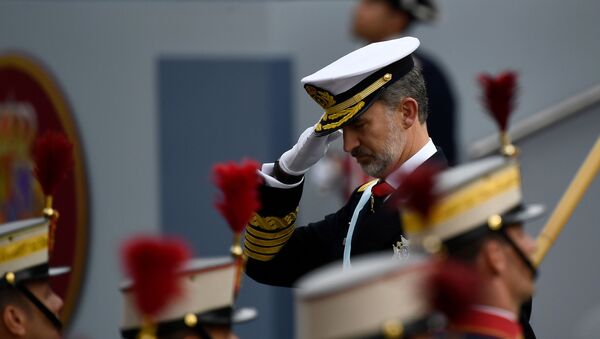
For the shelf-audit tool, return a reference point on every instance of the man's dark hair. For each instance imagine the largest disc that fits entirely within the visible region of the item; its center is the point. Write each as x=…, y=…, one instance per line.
x=10, y=296
x=467, y=250
x=410, y=85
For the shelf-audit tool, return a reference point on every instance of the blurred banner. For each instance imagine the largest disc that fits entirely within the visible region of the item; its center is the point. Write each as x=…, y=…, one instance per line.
x=31, y=102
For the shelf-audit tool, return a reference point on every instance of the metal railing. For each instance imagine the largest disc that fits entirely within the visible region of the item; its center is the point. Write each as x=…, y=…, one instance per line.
x=538, y=121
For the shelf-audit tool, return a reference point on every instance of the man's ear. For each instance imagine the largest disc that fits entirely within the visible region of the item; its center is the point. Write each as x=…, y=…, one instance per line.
x=409, y=112
x=493, y=256
x=14, y=319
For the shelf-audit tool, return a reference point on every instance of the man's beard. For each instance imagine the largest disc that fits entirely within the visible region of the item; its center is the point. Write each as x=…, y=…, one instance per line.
x=380, y=161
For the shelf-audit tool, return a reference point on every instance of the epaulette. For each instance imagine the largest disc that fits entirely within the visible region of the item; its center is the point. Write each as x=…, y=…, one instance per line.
x=364, y=187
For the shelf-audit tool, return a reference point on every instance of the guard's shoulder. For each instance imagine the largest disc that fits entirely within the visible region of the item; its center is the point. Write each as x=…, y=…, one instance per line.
x=364, y=186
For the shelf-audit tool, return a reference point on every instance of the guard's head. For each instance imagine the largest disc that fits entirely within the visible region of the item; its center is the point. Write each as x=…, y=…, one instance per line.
x=380, y=297
x=21, y=318
x=204, y=310
x=377, y=96
x=499, y=258
x=29, y=306
x=476, y=216
x=378, y=20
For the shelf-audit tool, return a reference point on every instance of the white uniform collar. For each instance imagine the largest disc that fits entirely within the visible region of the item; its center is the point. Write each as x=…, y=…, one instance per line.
x=413, y=162
x=500, y=312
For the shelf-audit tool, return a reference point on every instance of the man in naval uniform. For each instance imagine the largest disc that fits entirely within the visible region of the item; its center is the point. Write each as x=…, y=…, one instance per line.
x=376, y=95
x=478, y=219
x=29, y=308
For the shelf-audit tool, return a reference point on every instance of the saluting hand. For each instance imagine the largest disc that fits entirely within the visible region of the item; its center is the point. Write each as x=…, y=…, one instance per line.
x=309, y=149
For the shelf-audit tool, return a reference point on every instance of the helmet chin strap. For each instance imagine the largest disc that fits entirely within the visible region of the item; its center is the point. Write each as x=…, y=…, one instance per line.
x=40, y=306
x=520, y=253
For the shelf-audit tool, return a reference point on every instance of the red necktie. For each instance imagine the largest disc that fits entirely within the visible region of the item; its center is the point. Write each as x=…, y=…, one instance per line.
x=382, y=189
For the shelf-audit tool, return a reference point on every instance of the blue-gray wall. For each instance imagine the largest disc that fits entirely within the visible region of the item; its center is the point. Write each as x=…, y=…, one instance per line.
x=106, y=56
x=214, y=110
x=567, y=292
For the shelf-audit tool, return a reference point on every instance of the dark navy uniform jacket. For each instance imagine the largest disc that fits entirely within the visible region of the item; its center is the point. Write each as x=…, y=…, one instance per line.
x=279, y=253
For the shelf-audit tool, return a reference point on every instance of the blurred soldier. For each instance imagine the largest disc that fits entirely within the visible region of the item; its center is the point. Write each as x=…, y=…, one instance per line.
x=377, y=96
x=29, y=308
x=382, y=298
x=379, y=20
x=475, y=213
x=172, y=297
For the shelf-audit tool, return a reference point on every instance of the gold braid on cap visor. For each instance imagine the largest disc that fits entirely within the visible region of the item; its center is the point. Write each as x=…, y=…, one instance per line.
x=336, y=115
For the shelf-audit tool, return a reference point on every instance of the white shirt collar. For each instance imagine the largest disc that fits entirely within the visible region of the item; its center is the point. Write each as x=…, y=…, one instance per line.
x=500, y=312
x=413, y=162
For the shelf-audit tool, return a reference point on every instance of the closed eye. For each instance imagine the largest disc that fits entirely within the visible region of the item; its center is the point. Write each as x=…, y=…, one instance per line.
x=359, y=124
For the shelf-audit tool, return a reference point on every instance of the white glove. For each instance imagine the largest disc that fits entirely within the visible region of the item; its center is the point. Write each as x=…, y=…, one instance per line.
x=309, y=149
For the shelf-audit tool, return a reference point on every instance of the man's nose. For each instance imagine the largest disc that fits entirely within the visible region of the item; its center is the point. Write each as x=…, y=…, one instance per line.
x=531, y=244
x=350, y=140
x=57, y=304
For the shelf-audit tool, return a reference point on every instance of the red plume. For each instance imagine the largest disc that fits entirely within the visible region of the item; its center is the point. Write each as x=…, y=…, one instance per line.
x=239, y=188
x=153, y=264
x=499, y=96
x=453, y=287
x=417, y=189
x=53, y=157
